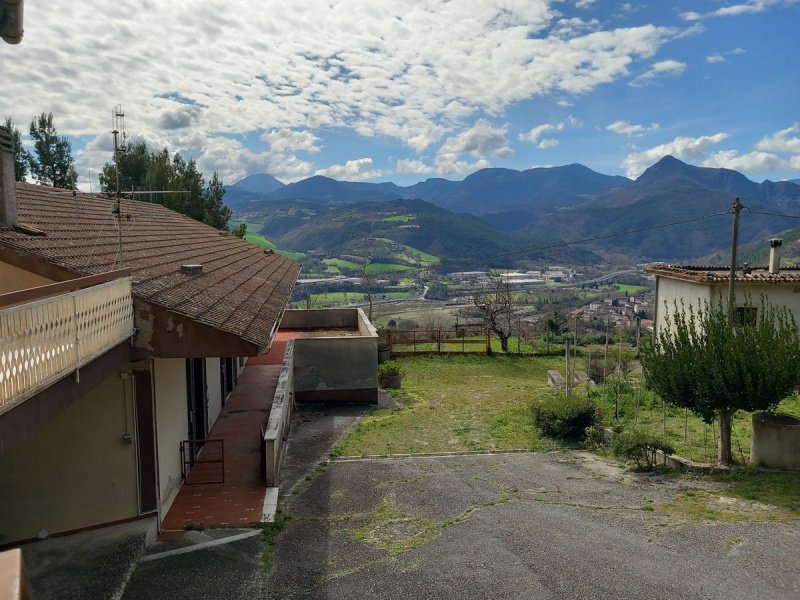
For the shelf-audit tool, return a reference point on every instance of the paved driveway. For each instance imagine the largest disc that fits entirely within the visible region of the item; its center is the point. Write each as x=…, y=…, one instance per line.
x=547, y=525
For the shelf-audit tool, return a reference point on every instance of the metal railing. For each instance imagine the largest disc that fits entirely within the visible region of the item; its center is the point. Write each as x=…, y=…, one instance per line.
x=44, y=340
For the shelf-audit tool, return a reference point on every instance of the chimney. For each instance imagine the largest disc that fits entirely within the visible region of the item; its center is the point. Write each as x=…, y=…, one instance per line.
x=8, y=192
x=775, y=255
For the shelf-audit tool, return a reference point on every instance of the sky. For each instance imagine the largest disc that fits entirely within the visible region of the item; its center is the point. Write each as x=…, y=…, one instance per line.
x=404, y=90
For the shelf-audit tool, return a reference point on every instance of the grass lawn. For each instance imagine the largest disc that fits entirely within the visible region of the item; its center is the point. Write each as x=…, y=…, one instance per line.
x=335, y=265
x=457, y=403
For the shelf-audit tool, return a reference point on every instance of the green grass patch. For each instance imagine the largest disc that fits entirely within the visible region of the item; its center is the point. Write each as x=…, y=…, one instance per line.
x=455, y=404
x=378, y=268
x=417, y=257
x=399, y=219
x=338, y=264
x=631, y=289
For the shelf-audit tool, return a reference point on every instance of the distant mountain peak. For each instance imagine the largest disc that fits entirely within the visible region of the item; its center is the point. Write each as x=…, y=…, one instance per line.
x=259, y=183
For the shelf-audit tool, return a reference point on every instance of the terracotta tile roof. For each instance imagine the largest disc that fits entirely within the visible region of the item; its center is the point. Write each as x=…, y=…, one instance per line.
x=713, y=275
x=241, y=290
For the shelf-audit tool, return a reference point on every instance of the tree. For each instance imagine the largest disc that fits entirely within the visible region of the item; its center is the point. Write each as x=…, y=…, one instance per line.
x=51, y=162
x=21, y=158
x=187, y=191
x=240, y=230
x=496, y=306
x=698, y=361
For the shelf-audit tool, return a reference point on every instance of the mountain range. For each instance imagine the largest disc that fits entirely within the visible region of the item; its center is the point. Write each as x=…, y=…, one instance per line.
x=569, y=202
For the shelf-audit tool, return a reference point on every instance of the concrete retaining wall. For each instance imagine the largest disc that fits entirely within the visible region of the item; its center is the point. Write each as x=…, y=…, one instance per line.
x=280, y=416
x=775, y=441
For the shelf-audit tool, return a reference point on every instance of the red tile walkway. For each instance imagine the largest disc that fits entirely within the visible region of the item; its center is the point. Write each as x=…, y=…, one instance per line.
x=239, y=501
x=278, y=349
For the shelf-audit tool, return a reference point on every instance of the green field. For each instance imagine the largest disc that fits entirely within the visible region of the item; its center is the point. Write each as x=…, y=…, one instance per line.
x=417, y=257
x=631, y=289
x=399, y=219
x=336, y=265
x=378, y=268
x=260, y=240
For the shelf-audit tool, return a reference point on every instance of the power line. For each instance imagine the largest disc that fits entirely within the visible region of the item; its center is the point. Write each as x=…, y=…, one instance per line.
x=769, y=214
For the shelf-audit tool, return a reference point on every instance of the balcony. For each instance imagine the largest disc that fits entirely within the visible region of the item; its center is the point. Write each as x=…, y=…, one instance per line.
x=48, y=332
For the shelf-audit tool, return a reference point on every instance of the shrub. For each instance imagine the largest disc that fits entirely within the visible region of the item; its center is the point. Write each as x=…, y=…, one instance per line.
x=565, y=418
x=389, y=368
x=640, y=446
x=593, y=437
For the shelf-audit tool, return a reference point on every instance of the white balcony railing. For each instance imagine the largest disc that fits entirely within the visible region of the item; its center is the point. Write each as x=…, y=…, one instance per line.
x=42, y=341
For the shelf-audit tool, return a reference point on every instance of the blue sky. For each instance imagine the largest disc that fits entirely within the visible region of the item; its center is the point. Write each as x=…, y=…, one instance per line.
x=406, y=90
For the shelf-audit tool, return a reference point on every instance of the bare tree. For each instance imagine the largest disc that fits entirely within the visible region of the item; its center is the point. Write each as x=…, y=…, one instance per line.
x=366, y=277
x=496, y=305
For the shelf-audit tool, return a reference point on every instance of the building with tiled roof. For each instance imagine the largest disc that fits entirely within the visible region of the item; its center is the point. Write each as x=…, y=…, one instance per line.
x=238, y=289
x=694, y=286
x=121, y=340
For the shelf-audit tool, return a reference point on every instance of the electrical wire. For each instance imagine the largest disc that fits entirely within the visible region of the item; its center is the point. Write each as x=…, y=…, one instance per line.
x=769, y=214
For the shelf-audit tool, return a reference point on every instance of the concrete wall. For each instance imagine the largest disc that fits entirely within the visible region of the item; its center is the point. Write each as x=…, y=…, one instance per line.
x=75, y=471
x=280, y=417
x=331, y=318
x=172, y=423
x=214, y=386
x=337, y=368
x=13, y=279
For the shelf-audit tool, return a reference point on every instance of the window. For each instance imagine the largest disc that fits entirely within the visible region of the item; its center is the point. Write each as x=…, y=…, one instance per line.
x=746, y=315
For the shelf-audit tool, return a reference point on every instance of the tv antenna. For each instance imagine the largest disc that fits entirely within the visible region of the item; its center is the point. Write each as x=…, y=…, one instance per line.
x=117, y=130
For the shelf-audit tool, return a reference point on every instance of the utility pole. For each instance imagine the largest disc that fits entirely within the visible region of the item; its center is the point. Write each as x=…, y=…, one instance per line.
x=737, y=209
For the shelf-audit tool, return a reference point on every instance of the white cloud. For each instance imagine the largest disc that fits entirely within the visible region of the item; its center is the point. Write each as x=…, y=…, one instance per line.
x=405, y=165
x=365, y=67
x=584, y=3
x=719, y=57
x=481, y=140
x=630, y=129
x=744, y=8
x=565, y=103
x=536, y=132
x=781, y=142
x=446, y=166
x=752, y=161
x=659, y=69
x=352, y=170
x=548, y=143
x=694, y=150
x=281, y=140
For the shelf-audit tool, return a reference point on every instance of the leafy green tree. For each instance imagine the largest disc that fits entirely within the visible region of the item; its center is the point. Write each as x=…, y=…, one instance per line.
x=20, y=154
x=187, y=191
x=51, y=161
x=699, y=362
x=240, y=230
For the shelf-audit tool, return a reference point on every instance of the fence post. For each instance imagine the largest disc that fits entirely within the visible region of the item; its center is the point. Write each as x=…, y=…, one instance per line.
x=439, y=341
x=389, y=341
x=414, y=333
x=488, y=342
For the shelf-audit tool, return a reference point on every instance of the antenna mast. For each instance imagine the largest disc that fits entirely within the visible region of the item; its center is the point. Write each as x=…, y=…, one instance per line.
x=118, y=128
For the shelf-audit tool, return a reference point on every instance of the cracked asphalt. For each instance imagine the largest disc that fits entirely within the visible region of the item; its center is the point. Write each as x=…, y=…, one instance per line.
x=541, y=525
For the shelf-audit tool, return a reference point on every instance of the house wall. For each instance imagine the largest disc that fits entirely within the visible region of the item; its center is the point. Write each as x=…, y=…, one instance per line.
x=75, y=471
x=172, y=423
x=671, y=291
x=693, y=294
x=13, y=279
x=214, y=386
